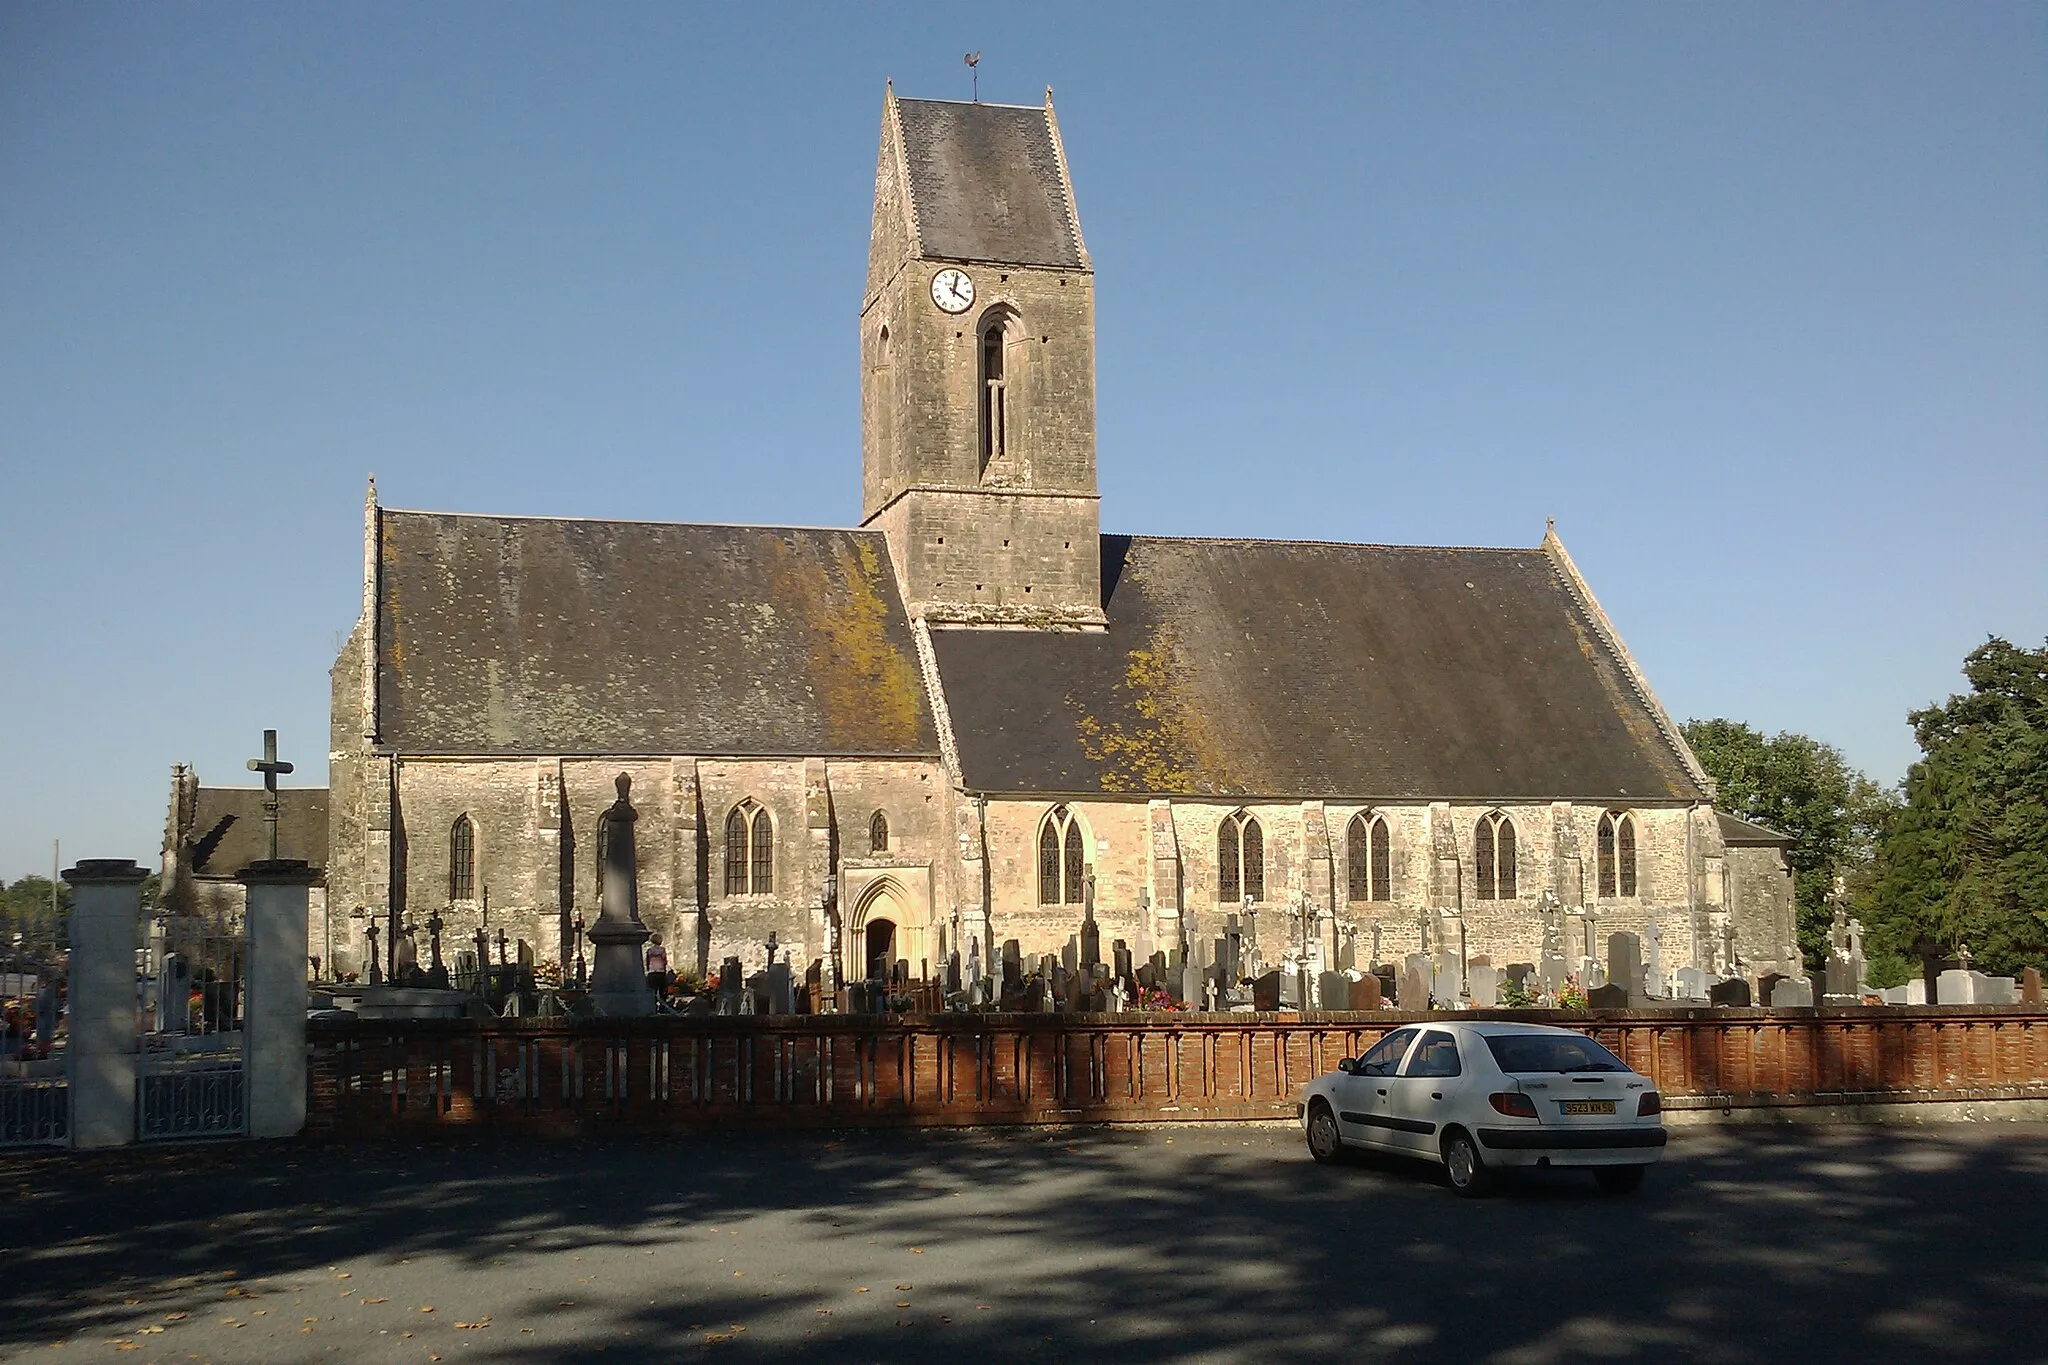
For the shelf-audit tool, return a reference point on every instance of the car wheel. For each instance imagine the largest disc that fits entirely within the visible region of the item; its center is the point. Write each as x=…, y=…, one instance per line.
x=1619, y=1179
x=1324, y=1142
x=1463, y=1167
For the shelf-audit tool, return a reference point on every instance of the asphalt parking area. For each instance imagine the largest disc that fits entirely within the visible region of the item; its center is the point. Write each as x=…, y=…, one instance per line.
x=1189, y=1244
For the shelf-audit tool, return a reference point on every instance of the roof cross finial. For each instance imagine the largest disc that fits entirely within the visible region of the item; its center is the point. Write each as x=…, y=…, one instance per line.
x=973, y=60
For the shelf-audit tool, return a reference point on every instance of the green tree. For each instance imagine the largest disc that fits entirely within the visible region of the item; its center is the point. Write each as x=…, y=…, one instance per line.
x=25, y=910
x=1803, y=788
x=1965, y=860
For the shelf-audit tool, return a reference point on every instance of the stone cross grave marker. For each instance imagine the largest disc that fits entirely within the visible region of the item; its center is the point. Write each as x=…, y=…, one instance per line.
x=272, y=768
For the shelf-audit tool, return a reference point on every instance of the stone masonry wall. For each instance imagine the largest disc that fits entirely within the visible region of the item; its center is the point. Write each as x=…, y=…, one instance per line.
x=1508, y=930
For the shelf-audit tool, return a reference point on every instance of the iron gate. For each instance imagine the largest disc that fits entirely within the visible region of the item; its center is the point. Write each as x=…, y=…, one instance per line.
x=35, y=1094
x=191, y=1077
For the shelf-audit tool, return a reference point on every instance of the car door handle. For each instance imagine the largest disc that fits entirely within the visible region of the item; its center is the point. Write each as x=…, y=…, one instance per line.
x=1383, y=1090
x=1436, y=1094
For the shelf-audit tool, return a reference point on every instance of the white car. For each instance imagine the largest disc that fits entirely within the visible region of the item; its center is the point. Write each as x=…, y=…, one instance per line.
x=1484, y=1097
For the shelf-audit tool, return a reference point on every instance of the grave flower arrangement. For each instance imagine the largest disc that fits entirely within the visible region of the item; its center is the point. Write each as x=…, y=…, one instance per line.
x=1155, y=998
x=1570, y=996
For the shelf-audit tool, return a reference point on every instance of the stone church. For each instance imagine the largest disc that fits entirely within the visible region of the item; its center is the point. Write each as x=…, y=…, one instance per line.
x=976, y=717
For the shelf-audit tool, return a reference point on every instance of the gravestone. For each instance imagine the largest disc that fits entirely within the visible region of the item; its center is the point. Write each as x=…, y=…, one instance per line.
x=173, y=994
x=1333, y=991
x=1445, y=987
x=1120, y=959
x=1997, y=990
x=1839, y=979
x=1956, y=988
x=1483, y=981
x=1192, y=981
x=1692, y=983
x=1266, y=992
x=1070, y=956
x=779, y=989
x=1036, y=998
x=1767, y=983
x=1522, y=975
x=1734, y=991
x=2030, y=985
x=1654, y=985
x=1550, y=975
x=732, y=986
x=972, y=970
x=1291, y=989
x=1415, y=977
x=1390, y=982
x=1365, y=993
x=1148, y=976
x=1091, y=944
x=1790, y=993
x=1625, y=961
x=1895, y=995
x=1612, y=996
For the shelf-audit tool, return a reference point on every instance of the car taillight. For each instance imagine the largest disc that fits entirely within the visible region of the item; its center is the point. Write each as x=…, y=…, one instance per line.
x=1513, y=1105
x=1650, y=1103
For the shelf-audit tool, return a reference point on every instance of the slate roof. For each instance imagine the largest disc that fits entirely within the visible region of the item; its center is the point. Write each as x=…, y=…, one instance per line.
x=511, y=635
x=987, y=185
x=1740, y=833
x=1268, y=668
x=227, y=832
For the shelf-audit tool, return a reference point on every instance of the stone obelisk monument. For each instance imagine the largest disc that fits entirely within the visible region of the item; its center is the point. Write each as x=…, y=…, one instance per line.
x=618, y=977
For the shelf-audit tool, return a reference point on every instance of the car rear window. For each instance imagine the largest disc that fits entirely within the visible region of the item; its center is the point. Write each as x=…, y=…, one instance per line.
x=1521, y=1053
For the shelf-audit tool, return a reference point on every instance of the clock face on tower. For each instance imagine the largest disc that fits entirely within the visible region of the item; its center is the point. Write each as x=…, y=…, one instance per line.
x=952, y=290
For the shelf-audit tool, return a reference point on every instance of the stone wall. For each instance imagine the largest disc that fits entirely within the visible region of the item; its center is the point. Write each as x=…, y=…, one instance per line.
x=534, y=828
x=1431, y=859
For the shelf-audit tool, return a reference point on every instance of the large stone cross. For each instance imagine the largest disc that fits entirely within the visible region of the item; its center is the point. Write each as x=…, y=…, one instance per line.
x=271, y=767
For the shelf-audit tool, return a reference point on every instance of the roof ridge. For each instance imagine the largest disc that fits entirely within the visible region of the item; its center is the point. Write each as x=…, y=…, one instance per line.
x=629, y=521
x=1341, y=544
x=968, y=104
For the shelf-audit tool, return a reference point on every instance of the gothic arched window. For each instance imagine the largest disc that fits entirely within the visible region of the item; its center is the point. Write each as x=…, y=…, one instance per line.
x=763, y=878
x=1370, y=876
x=1493, y=850
x=878, y=833
x=998, y=334
x=1240, y=858
x=1062, y=858
x=1617, y=854
x=749, y=851
x=462, y=860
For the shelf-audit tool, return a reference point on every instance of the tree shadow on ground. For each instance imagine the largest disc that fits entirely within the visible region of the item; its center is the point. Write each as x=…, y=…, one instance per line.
x=1221, y=1243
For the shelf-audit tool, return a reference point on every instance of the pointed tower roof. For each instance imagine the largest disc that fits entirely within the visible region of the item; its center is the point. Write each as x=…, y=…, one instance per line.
x=988, y=182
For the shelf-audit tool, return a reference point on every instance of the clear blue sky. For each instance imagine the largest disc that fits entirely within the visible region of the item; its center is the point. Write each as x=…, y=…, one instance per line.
x=1752, y=298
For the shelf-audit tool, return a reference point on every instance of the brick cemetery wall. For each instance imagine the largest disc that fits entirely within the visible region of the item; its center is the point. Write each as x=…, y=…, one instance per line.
x=825, y=1071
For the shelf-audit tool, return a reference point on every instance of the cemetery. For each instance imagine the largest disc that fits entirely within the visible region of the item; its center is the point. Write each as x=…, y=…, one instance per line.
x=200, y=1029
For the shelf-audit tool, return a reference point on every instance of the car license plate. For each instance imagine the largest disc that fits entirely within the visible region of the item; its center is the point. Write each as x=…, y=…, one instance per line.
x=1586, y=1106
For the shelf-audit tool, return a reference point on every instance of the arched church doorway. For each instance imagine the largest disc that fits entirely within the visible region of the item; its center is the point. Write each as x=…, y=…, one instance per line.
x=881, y=949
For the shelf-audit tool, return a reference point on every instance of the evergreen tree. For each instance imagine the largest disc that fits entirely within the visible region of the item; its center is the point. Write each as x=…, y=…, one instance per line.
x=1965, y=861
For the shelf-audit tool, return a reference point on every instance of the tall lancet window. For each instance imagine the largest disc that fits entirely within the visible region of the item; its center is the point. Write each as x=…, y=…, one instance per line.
x=749, y=851
x=1062, y=858
x=462, y=860
x=1493, y=853
x=1370, y=873
x=996, y=417
x=1240, y=859
x=1617, y=854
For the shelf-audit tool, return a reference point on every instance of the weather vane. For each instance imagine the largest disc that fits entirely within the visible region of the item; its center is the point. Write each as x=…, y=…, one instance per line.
x=973, y=60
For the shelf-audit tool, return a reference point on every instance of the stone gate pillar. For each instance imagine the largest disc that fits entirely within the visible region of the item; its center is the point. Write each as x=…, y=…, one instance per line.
x=274, y=994
x=106, y=918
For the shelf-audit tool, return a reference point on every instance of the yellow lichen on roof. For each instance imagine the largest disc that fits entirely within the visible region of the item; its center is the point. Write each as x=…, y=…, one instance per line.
x=865, y=682
x=1171, y=747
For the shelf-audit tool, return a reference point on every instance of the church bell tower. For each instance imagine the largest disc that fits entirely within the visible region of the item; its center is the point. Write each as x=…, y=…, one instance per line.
x=978, y=370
